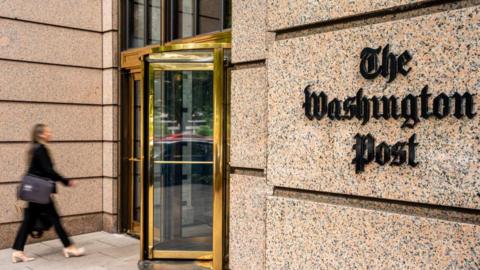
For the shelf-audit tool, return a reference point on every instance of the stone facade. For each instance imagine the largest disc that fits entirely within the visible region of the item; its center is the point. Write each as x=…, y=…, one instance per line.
x=306, y=207
x=59, y=67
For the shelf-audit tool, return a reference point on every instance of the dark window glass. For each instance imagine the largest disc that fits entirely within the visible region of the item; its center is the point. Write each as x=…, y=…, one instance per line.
x=209, y=16
x=154, y=19
x=137, y=152
x=137, y=24
x=183, y=18
x=227, y=14
x=194, y=17
x=184, y=21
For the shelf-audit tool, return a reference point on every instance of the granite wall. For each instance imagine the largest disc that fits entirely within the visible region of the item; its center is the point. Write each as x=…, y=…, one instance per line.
x=59, y=67
x=297, y=201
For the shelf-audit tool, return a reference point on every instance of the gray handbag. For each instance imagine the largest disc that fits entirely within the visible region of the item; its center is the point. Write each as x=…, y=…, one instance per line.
x=36, y=189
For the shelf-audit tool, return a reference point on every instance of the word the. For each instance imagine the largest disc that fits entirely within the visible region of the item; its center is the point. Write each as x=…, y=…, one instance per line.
x=410, y=108
x=397, y=154
x=390, y=66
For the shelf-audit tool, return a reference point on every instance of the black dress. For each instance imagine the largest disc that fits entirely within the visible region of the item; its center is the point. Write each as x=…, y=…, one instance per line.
x=41, y=165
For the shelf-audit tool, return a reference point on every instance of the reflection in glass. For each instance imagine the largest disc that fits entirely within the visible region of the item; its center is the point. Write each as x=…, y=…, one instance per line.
x=154, y=17
x=137, y=110
x=137, y=24
x=183, y=130
x=192, y=18
x=183, y=116
x=183, y=201
x=209, y=14
x=185, y=18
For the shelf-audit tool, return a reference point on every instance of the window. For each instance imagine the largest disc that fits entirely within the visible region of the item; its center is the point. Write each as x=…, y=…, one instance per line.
x=188, y=18
x=145, y=21
x=142, y=22
x=154, y=19
x=137, y=24
x=227, y=14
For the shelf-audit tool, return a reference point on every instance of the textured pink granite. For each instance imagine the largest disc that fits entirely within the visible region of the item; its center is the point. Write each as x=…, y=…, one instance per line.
x=110, y=86
x=317, y=155
x=110, y=151
x=247, y=221
x=71, y=159
x=110, y=195
x=249, y=27
x=83, y=14
x=74, y=225
x=110, y=14
x=85, y=197
x=110, y=123
x=67, y=122
x=49, y=83
x=310, y=235
x=248, y=118
x=110, y=50
x=286, y=13
x=110, y=223
x=49, y=44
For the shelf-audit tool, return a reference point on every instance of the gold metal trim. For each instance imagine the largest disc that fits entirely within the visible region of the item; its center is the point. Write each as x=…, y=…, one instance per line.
x=218, y=158
x=217, y=37
x=180, y=254
x=182, y=66
x=190, y=46
x=133, y=225
x=183, y=162
x=142, y=179
x=150, y=150
x=226, y=151
x=132, y=58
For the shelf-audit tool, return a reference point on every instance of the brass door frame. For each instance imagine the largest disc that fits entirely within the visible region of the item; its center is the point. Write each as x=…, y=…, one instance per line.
x=128, y=125
x=216, y=256
x=135, y=75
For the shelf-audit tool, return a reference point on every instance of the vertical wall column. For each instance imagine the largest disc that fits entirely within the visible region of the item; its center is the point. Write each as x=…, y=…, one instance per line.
x=110, y=58
x=248, y=155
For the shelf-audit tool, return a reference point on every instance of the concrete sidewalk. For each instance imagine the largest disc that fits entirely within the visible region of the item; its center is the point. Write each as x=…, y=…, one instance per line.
x=103, y=251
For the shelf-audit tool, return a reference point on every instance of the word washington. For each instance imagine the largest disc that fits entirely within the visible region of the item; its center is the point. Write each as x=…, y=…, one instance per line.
x=410, y=108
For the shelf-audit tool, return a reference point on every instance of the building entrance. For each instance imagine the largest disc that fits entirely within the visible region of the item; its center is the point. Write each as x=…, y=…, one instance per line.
x=177, y=163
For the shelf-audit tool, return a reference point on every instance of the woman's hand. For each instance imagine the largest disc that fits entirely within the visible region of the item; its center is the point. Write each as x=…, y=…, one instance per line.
x=72, y=183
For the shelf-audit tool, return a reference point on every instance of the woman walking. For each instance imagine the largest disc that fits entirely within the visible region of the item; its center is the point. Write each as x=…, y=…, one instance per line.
x=41, y=165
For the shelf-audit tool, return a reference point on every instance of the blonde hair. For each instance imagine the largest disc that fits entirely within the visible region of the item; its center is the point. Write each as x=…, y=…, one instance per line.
x=37, y=132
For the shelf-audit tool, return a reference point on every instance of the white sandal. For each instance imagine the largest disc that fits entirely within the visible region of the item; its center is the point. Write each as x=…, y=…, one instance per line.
x=73, y=252
x=19, y=256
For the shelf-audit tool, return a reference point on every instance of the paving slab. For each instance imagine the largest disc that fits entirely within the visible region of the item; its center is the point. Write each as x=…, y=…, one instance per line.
x=104, y=251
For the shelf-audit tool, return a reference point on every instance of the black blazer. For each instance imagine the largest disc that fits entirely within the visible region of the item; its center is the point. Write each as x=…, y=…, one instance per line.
x=42, y=165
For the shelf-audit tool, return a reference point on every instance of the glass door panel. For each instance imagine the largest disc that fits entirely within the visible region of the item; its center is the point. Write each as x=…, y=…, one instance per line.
x=182, y=153
x=182, y=99
x=136, y=157
x=137, y=150
x=183, y=116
